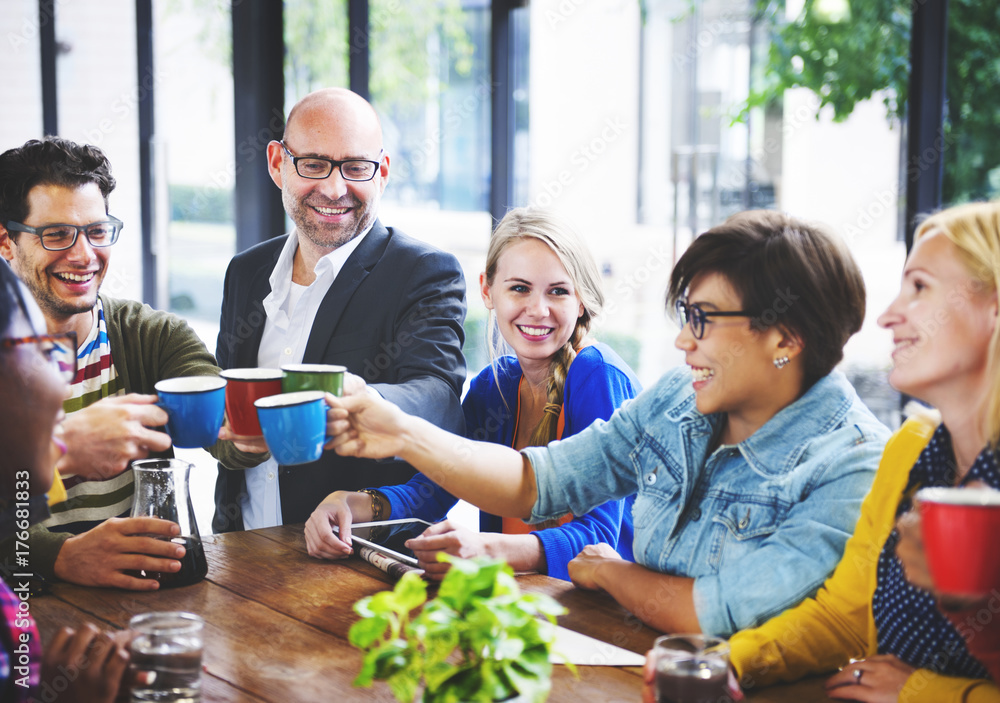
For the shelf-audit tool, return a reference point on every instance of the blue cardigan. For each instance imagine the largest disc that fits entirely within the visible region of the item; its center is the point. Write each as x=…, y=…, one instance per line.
x=597, y=383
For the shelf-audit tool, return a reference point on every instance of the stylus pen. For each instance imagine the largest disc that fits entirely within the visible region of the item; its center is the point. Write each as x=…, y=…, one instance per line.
x=398, y=521
x=382, y=549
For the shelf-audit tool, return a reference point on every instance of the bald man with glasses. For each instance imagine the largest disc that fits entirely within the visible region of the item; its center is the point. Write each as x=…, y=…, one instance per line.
x=340, y=288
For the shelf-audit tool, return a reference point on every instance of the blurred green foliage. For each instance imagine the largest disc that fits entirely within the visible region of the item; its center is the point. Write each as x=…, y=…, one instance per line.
x=846, y=51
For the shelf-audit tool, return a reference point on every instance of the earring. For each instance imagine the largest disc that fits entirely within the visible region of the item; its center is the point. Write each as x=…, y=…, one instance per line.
x=781, y=362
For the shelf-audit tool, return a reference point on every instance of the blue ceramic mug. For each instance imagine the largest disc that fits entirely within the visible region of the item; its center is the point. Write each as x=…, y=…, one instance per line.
x=294, y=425
x=196, y=406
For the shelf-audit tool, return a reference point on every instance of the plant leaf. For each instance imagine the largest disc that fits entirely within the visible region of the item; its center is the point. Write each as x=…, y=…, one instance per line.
x=404, y=684
x=410, y=591
x=364, y=633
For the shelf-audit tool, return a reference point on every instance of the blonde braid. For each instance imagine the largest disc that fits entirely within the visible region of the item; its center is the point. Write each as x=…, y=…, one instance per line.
x=547, y=428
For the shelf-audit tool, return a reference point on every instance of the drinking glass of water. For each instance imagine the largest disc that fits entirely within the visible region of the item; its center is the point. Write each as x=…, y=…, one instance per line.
x=165, y=661
x=691, y=669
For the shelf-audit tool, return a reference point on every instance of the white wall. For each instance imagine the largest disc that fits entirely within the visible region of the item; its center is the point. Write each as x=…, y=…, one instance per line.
x=21, y=118
x=846, y=175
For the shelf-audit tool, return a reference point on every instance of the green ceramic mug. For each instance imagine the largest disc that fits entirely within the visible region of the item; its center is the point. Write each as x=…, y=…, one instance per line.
x=313, y=377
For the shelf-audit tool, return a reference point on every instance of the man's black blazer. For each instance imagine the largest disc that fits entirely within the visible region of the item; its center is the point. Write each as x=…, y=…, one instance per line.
x=393, y=316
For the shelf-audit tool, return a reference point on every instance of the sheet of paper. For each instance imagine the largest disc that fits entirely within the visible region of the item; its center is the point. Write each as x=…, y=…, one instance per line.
x=587, y=651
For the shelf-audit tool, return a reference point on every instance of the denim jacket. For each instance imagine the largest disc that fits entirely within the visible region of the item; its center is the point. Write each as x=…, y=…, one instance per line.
x=759, y=525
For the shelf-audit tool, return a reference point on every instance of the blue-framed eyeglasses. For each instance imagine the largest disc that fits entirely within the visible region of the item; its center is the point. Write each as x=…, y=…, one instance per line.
x=698, y=318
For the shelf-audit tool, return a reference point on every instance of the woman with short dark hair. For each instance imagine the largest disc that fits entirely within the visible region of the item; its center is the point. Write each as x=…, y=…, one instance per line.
x=891, y=639
x=748, y=466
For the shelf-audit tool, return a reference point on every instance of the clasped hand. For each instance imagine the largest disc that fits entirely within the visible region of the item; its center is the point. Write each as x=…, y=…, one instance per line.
x=105, y=555
x=103, y=438
x=86, y=665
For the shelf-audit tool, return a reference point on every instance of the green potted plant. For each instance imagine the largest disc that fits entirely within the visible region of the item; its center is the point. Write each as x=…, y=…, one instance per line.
x=480, y=639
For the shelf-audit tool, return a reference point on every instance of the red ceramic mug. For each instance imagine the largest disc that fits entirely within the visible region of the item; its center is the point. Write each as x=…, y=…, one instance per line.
x=959, y=529
x=243, y=388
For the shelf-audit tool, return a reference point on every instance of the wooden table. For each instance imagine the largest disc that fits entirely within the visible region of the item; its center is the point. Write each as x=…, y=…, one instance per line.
x=277, y=622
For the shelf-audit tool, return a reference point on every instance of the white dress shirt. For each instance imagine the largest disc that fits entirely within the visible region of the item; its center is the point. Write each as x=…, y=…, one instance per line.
x=290, y=309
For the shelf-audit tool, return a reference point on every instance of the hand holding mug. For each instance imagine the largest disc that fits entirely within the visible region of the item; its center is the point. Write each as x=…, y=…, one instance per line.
x=958, y=526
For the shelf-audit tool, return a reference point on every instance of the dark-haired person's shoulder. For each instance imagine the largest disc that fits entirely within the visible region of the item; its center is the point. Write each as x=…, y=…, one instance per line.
x=857, y=413
x=836, y=423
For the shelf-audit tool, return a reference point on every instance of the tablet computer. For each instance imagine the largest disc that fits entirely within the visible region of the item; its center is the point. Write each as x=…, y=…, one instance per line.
x=401, y=530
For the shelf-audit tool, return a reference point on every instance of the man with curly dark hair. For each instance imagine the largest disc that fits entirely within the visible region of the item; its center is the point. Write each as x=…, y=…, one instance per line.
x=57, y=234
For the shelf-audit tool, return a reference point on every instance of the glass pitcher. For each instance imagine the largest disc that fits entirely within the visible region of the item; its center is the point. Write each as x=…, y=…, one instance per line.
x=161, y=490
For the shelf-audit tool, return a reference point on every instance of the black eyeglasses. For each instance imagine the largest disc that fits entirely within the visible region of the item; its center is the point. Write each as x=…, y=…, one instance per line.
x=58, y=237
x=699, y=318
x=317, y=168
x=60, y=350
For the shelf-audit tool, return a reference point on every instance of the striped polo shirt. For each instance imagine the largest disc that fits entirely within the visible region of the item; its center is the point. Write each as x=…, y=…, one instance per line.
x=89, y=502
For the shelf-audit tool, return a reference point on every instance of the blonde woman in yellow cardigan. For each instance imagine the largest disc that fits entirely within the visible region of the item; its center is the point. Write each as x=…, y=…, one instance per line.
x=890, y=640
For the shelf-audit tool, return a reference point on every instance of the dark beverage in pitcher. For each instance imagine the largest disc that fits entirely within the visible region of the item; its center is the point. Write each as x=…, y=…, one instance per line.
x=692, y=682
x=161, y=491
x=194, y=566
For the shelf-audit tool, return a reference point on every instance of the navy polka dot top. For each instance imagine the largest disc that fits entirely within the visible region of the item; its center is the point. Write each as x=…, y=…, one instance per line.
x=908, y=622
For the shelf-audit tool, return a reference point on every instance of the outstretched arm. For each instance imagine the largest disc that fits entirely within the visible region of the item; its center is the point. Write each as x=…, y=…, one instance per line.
x=494, y=478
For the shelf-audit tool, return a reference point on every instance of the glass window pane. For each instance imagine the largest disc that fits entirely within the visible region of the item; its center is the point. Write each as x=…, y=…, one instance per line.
x=697, y=165
x=520, y=56
x=104, y=112
x=194, y=155
x=316, y=47
x=972, y=153
x=22, y=72
x=430, y=85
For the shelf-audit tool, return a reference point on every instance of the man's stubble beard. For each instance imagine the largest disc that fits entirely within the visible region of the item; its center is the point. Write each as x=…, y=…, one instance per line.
x=329, y=236
x=51, y=304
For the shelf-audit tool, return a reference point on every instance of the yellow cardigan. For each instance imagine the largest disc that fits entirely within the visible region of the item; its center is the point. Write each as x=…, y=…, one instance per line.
x=824, y=632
